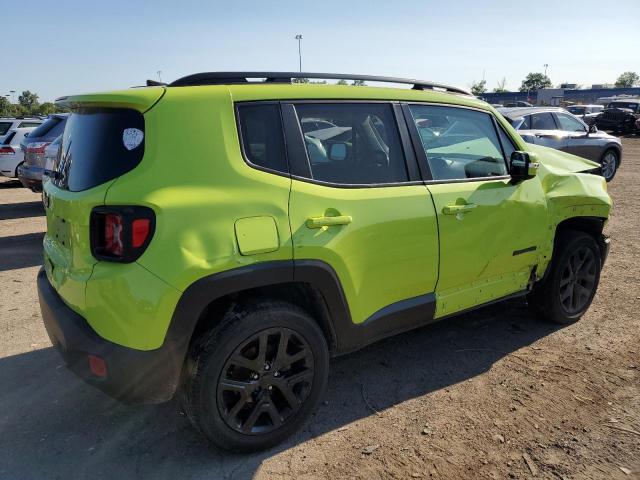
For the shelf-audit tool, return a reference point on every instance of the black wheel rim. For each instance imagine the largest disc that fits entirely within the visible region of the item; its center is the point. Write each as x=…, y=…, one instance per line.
x=578, y=280
x=265, y=381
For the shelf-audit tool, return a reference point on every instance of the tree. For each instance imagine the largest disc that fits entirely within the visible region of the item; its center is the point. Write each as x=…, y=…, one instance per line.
x=29, y=101
x=359, y=83
x=47, y=108
x=342, y=82
x=478, y=88
x=534, y=82
x=6, y=108
x=501, y=86
x=628, y=79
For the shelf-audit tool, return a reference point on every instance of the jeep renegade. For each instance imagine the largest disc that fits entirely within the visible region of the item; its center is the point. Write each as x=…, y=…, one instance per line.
x=223, y=236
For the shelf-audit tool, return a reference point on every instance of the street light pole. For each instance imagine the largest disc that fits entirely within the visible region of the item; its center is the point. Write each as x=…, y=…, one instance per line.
x=13, y=96
x=299, y=38
x=545, y=69
x=159, y=75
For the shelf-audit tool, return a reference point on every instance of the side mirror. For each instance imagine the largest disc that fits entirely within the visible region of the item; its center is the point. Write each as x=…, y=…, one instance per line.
x=593, y=128
x=521, y=166
x=26, y=134
x=338, y=151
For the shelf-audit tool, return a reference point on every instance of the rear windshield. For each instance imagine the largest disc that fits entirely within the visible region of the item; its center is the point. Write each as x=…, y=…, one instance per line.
x=99, y=145
x=4, y=127
x=50, y=129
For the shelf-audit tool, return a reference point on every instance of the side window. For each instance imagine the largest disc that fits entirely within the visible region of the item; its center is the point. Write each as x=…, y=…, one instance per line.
x=507, y=143
x=526, y=124
x=353, y=143
x=543, y=121
x=569, y=124
x=459, y=143
x=29, y=124
x=262, y=137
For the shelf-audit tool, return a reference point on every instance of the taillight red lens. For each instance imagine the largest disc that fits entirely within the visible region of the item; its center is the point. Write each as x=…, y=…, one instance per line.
x=139, y=231
x=113, y=244
x=7, y=151
x=37, y=147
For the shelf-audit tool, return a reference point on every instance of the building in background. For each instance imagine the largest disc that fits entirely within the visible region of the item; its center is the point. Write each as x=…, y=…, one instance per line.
x=558, y=96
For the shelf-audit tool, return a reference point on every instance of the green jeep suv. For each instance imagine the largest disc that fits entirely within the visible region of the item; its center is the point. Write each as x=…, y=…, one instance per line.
x=221, y=237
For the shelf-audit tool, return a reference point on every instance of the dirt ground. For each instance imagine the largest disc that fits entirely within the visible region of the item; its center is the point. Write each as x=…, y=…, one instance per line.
x=492, y=394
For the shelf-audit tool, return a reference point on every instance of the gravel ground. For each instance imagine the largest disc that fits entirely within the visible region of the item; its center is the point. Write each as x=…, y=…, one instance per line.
x=491, y=394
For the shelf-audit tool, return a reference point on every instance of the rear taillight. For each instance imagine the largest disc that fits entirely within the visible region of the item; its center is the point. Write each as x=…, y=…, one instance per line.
x=121, y=234
x=37, y=148
x=7, y=151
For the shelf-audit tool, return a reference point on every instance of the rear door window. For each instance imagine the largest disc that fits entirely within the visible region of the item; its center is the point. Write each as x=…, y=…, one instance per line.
x=353, y=144
x=99, y=145
x=543, y=121
x=569, y=124
x=29, y=124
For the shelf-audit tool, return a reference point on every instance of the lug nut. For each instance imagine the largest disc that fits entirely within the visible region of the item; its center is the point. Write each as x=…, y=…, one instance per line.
x=276, y=373
x=255, y=376
x=267, y=366
x=270, y=387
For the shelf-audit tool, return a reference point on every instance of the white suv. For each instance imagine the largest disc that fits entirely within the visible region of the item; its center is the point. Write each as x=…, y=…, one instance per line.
x=10, y=124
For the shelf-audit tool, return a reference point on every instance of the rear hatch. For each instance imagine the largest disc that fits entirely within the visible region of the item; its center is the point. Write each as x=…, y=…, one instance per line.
x=102, y=140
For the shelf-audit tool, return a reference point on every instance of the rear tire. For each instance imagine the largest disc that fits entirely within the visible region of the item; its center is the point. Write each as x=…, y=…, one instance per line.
x=567, y=291
x=253, y=380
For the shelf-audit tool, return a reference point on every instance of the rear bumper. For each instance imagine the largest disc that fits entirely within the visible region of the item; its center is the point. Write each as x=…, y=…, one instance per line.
x=31, y=177
x=133, y=376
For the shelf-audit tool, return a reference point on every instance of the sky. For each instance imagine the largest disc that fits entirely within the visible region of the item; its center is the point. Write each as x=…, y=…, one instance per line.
x=66, y=47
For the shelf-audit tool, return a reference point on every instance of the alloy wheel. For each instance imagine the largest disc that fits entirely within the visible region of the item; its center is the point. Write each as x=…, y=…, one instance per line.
x=578, y=280
x=265, y=381
x=609, y=165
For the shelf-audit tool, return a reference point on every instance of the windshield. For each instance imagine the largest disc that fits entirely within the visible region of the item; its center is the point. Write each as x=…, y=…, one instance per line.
x=50, y=129
x=576, y=110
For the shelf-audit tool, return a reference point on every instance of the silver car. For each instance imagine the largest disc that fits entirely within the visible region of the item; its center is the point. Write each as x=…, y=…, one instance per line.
x=556, y=128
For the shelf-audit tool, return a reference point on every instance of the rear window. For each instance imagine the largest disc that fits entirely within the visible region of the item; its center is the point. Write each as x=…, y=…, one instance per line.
x=4, y=127
x=99, y=145
x=50, y=129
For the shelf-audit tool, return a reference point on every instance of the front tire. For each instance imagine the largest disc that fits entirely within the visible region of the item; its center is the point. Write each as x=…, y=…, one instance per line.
x=609, y=164
x=567, y=291
x=254, y=379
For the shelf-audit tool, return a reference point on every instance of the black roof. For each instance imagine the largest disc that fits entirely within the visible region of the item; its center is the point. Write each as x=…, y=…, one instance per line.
x=229, y=78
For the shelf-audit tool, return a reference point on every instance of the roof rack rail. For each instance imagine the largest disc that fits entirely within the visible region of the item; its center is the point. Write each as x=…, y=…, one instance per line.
x=228, y=78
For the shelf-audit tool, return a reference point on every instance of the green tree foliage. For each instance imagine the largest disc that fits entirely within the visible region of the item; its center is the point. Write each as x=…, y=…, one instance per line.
x=5, y=107
x=359, y=83
x=29, y=101
x=628, y=79
x=534, y=82
x=342, y=82
x=478, y=88
x=47, y=108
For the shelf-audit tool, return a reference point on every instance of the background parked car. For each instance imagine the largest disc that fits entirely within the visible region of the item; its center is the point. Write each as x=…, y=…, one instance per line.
x=586, y=113
x=620, y=116
x=11, y=155
x=30, y=172
x=519, y=103
x=9, y=124
x=50, y=154
x=556, y=128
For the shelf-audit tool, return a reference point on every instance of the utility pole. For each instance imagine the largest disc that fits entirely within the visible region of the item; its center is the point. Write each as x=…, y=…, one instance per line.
x=159, y=75
x=545, y=69
x=299, y=38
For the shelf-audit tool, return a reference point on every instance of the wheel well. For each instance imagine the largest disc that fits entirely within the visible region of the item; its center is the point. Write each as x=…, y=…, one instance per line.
x=591, y=225
x=301, y=294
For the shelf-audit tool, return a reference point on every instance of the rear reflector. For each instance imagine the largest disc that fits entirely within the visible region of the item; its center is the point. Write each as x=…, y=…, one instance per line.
x=7, y=151
x=97, y=366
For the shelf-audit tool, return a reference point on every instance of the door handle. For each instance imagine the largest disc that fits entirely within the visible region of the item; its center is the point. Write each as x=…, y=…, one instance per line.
x=455, y=209
x=318, y=222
